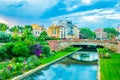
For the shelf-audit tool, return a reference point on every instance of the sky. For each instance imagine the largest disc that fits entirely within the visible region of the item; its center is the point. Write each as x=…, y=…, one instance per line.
x=83, y=13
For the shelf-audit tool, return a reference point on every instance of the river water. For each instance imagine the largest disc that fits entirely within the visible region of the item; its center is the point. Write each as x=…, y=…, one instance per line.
x=73, y=71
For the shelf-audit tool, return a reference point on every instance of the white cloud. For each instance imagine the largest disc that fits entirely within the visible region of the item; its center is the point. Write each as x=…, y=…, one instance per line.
x=3, y=21
x=9, y=21
x=90, y=18
x=87, y=1
x=72, y=8
x=93, y=18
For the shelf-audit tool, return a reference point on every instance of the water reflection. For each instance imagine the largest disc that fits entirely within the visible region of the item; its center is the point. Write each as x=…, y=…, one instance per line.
x=69, y=69
x=85, y=56
x=66, y=72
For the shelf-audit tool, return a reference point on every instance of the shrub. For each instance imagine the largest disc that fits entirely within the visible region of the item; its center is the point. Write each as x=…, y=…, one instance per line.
x=32, y=58
x=43, y=43
x=16, y=38
x=36, y=63
x=6, y=51
x=36, y=49
x=20, y=49
x=4, y=37
x=46, y=50
x=19, y=59
x=6, y=74
x=42, y=56
x=17, y=66
x=29, y=66
x=15, y=73
x=53, y=52
x=3, y=53
x=9, y=47
x=30, y=40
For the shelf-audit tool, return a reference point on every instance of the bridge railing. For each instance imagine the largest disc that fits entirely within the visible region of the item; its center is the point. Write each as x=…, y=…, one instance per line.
x=87, y=40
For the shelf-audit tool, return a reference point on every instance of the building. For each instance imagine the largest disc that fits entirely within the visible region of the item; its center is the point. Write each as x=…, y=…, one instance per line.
x=68, y=30
x=100, y=34
x=54, y=31
x=37, y=29
x=63, y=31
x=76, y=32
x=118, y=29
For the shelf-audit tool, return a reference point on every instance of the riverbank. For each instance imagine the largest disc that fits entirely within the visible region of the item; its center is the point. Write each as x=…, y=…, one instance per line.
x=109, y=67
x=47, y=61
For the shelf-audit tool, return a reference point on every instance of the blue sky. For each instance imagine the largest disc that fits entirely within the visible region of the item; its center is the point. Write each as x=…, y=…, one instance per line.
x=83, y=13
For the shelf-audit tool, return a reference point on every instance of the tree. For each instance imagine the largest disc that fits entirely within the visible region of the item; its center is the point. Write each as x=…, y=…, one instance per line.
x=30, y=40
x=111, y=32
x=17, y=29
x=28, y=27
x=20, y=49
x=4, y=37
x=14, y=29
x=87, y=33
x=3, y=27
x=43, y=35
x=25, y=34
x=46, y=50
x=15, y=38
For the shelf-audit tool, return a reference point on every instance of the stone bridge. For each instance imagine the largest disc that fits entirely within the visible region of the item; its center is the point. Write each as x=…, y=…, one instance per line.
x=61, y=44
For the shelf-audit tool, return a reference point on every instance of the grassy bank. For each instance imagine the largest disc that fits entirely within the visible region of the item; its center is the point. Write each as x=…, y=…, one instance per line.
x=110, y=67
x=58, y=55
x=17, y=69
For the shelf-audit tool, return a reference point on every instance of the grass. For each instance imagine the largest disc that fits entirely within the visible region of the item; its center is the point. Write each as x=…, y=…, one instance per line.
x=58, y=55
x=4, y=64
x=110, y=68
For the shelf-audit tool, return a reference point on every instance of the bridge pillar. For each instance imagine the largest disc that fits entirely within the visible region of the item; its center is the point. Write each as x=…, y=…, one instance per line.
x=53, y=44
x=118, y=48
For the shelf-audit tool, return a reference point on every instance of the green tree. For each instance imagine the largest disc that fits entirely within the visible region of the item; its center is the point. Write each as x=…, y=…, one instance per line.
x=30, y=40
x=3, y=27
x=111, y=32
x=20, y=49
x=46, y=50
x=25, y=34
x=14, y=29
x=28, y=27
x=43, y=36
x=4, y=37
x=15, y=37
x=17, y=29
x=87, y=33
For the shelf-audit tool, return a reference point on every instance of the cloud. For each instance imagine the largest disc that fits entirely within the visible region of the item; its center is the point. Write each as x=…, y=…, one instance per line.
x=26, y=8
x=86, y=1
x=72, y=5
x=93, y=18
x=9, y=21
x=3, y=21
x=72, y=8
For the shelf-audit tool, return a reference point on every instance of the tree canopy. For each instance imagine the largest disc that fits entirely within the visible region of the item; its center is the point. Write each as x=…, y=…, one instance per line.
x=29, y=27
x=3, y=27
x=43, y=36
x=111, y=32
x=17, y=29
x=87, y=33
x=4, y=37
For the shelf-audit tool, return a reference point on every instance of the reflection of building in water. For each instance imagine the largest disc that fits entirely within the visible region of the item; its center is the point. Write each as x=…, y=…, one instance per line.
x=76, y=56
x=87, y=56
